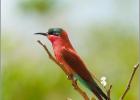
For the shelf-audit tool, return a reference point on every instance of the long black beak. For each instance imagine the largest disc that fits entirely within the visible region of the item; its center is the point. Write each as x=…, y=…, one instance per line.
x=45, y=34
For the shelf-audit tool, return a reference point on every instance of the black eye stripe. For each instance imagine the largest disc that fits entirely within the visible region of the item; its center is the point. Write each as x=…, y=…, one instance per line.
x=50, y=32
x=55, y=31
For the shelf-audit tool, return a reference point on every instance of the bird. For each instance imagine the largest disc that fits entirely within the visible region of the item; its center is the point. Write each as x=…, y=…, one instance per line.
x=72, y=63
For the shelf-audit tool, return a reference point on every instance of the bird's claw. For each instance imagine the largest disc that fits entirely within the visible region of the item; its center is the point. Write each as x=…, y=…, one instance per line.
x=70, y=77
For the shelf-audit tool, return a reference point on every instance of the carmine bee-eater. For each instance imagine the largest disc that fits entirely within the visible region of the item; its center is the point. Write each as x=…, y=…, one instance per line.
x=71, y=61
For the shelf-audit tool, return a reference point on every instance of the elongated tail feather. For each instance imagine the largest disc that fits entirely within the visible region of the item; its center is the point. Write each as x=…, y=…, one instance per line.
x=97, y=90
x=93, y=87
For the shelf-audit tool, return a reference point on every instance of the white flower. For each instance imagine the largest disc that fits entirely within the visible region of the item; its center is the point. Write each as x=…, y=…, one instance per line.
x=103, y=78
x=103, y=81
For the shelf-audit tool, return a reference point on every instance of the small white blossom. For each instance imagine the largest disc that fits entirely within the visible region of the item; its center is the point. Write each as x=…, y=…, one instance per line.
x=103, y=78
x=103, y=81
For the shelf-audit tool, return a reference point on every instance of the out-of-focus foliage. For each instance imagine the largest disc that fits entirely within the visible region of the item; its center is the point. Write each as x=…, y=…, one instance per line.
x=108, y=47
x=115, y=51
x=37, y=6
x=25, y=77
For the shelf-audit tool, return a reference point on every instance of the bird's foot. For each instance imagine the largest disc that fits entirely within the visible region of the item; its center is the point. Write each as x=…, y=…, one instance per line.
x=70, y=77
x=73, y=79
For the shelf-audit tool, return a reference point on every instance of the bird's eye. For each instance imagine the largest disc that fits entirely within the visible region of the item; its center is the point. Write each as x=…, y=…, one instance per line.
x=51, y=32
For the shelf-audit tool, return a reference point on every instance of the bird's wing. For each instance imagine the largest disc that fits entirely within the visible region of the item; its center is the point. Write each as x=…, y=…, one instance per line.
x=74, y=61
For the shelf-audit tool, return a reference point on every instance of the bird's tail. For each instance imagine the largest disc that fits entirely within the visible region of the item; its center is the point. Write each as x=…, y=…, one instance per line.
x=93, y=86
x=97, y=91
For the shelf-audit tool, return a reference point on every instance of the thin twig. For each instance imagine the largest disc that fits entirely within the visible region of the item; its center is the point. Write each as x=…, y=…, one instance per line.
x=74, y=82
x=77, y=88
x=94, y=76
x=130, y=81
x=108, y=92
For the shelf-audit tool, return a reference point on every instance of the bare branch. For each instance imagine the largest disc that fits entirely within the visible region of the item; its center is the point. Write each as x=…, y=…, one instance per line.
x=130, y=81
x=77, y=88
x=108, y=92
x=74, y=82
x=51, y=57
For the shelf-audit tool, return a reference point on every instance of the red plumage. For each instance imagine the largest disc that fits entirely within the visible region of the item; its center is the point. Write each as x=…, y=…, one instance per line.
x=66, y=55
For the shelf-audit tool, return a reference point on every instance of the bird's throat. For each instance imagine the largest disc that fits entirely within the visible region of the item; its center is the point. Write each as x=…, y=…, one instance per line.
x=52, y=38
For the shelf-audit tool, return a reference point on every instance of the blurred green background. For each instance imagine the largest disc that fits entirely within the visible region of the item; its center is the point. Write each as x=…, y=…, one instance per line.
x=105, y=34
